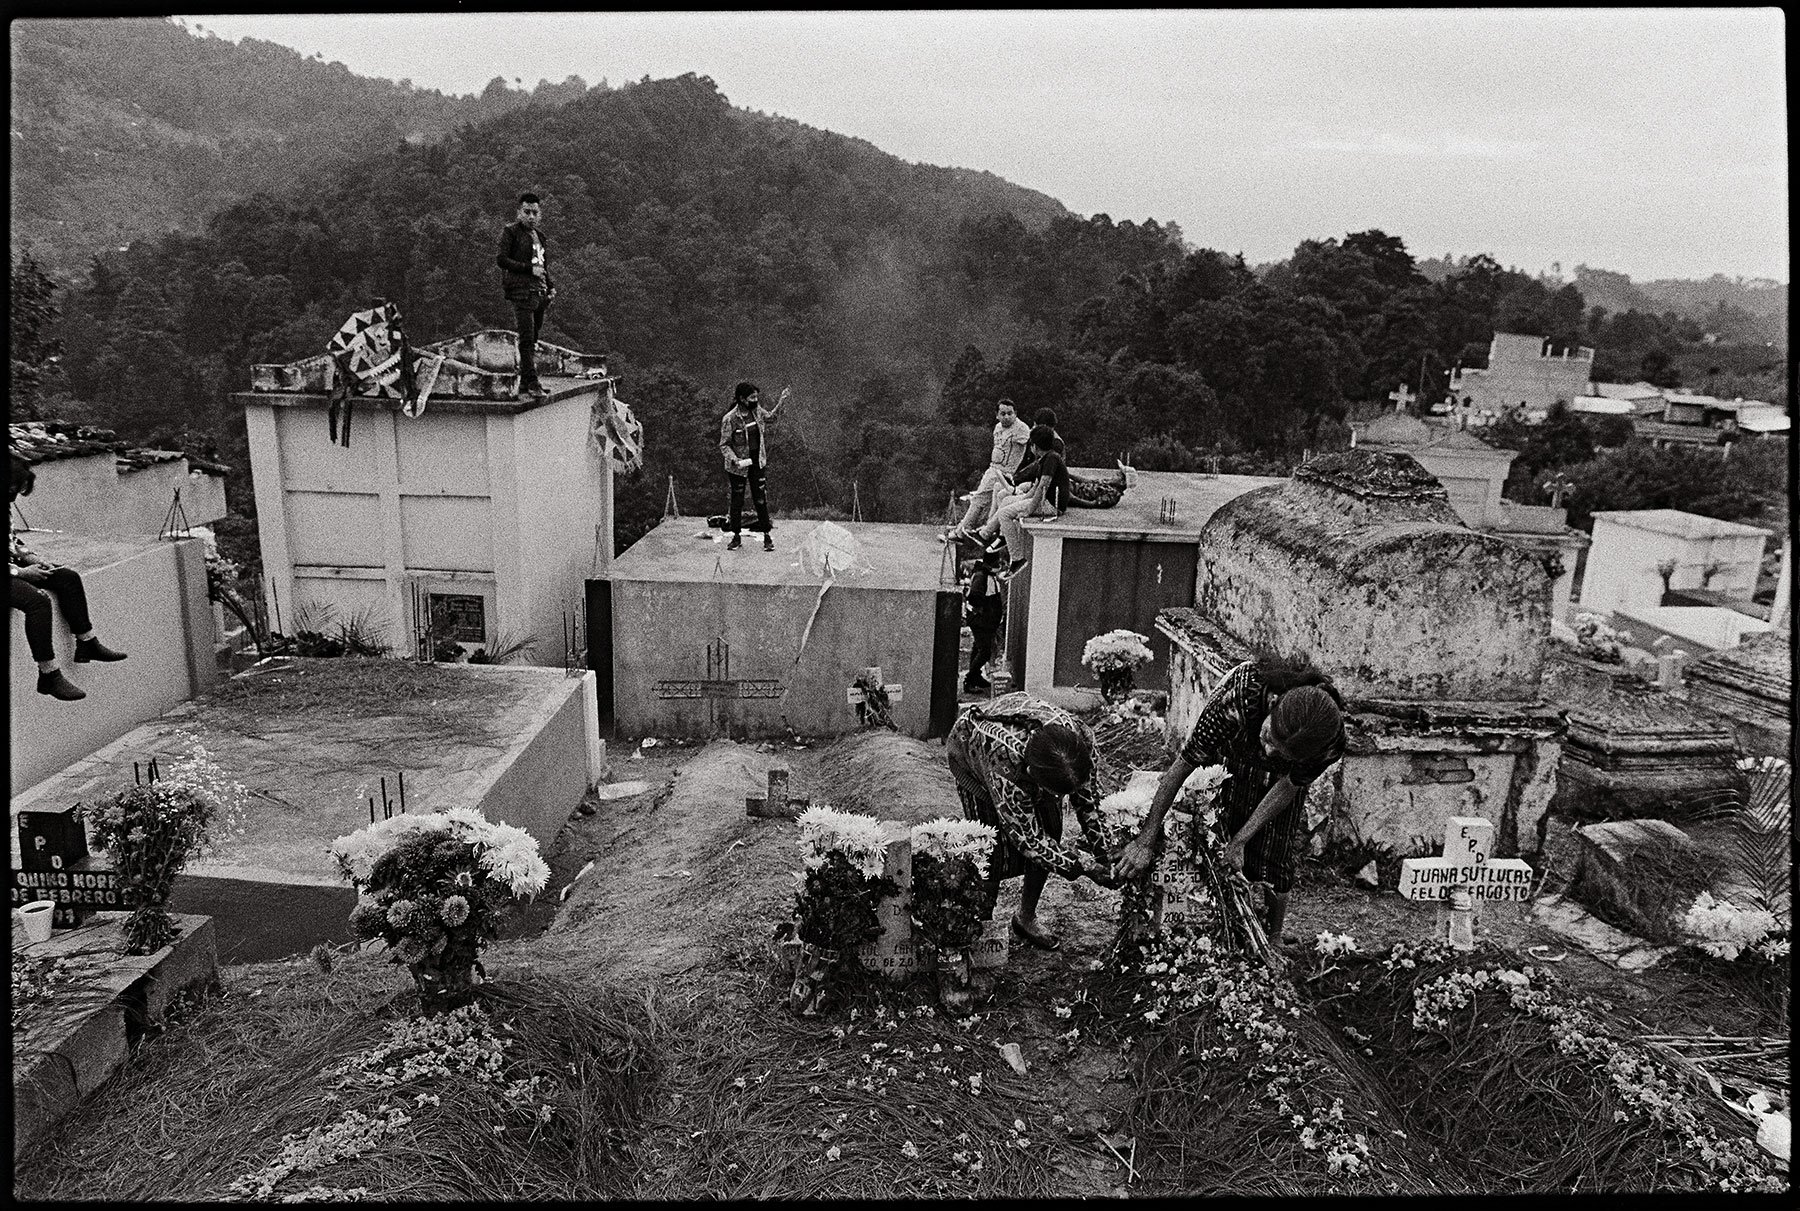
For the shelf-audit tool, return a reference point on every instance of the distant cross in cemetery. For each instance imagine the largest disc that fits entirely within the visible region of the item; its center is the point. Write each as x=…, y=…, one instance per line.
x=1558, y=486
x=1402, y=398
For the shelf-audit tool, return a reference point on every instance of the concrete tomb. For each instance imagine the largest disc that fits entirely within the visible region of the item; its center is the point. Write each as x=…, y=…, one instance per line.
x=1435, y=633
x=690, y=639
x=1752, y=685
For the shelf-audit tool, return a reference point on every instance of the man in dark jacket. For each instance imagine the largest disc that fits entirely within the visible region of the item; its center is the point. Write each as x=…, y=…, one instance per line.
x=527, y=283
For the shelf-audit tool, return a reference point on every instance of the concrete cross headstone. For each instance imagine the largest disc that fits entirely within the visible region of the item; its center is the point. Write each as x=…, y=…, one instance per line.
x=1402, y=398
x=1466, y=867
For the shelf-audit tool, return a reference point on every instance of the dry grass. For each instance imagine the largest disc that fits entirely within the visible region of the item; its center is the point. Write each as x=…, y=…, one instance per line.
x=210, y=1101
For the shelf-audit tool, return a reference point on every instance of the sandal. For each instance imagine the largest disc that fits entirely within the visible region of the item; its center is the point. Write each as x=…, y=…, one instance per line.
x=1040, y=940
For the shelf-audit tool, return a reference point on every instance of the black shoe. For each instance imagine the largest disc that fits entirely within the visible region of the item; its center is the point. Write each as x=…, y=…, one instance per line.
x=768, y=543
x=56, y=685
x=1012, y=569
x=92, y=649
x=737, y=540
x=976, y=685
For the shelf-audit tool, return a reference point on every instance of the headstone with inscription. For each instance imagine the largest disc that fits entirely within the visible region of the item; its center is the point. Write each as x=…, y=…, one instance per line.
x=54, y=864
x=1465, y=870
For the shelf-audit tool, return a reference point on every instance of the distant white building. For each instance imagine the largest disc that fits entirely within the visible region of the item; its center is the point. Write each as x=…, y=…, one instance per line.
x=1524, y=376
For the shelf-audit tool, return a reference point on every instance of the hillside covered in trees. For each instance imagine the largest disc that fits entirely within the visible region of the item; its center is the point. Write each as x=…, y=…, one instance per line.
x=697, y=244
x=124, y=128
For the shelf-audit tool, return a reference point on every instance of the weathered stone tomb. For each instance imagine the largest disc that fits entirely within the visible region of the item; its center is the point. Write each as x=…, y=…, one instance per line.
x=1434, y=632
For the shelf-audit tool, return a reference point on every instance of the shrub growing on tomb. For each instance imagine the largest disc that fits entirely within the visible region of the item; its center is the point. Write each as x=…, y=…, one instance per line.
x=434, y=887
x=151, y=831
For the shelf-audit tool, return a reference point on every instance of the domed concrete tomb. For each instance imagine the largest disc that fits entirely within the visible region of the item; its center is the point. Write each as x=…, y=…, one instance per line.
x=1360, y=561
x=1434, y=632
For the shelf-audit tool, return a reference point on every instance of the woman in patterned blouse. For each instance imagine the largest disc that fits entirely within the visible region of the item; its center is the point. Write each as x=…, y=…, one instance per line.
x=1275, y=724
x=1014, y=759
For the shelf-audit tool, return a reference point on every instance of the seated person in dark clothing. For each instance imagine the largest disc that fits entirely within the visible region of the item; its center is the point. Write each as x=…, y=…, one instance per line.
x=1043, y=491
x=1046, y=417
x=35, y=581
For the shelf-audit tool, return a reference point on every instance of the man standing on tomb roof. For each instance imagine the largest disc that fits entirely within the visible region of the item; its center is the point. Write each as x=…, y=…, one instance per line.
x=1011, y=435
x=525, y=279
x=1275, y=724
x=744, y=444
x=1014, y=760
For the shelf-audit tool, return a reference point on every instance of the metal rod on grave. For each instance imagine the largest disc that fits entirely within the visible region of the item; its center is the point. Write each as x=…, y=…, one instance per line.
x=401, y=775
x=387, y=811
x=371, y=809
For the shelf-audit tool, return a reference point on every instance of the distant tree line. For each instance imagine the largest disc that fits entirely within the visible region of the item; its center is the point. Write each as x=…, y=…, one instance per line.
x=697, y=244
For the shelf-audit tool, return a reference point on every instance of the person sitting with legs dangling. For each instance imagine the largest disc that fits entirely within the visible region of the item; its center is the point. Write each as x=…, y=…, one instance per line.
x=35, y=583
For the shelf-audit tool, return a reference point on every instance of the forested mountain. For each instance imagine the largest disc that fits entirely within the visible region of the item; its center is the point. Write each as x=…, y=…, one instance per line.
x=132, y=127
x=697, y=244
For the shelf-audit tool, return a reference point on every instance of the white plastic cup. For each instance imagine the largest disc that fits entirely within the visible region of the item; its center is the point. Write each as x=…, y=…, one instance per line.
x=40, y=919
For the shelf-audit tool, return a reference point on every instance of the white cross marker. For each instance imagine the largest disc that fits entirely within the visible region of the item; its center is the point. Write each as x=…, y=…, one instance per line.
x=1467, y=840
x=1401, y=397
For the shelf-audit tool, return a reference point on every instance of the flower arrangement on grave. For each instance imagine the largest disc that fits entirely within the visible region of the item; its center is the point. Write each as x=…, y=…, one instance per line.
x=1113, y=658
x=434, y=887
x=951, y=898
x=1191, y=821
x=1458, y=1035
x=1597, y=640
x=151, y=831
x=1726, y=931
x=835, y=904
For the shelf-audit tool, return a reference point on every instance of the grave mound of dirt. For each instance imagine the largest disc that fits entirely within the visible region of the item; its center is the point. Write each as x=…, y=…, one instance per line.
x=682, y=878
x=888, y=776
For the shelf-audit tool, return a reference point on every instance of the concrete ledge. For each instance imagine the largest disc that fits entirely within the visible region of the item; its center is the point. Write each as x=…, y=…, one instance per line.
x=83, y=1032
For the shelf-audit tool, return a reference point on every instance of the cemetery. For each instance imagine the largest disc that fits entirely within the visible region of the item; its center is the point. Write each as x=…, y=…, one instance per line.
x=693, y=906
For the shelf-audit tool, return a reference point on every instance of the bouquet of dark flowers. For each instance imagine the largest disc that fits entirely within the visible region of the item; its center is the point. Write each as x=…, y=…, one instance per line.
x=952, y=899
x=835, y=906
x=151, y=831
x=435, y=887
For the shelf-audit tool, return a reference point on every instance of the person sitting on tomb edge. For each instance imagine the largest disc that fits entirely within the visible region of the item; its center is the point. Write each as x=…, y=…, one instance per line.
x=1011, y=436
x=526, y=281
x=983, y=606
x=35, y=581
x=1043, y=491
x=1046, y=417
x=1276, y=724
x=744, y=444
x=1014, y=759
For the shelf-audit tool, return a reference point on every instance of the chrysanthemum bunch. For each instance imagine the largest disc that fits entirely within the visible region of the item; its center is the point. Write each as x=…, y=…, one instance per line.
x=435, y=879
x=842, y=883
x=1721, y=928
x=949, y=872
x=825, y=830
x=1114, y=650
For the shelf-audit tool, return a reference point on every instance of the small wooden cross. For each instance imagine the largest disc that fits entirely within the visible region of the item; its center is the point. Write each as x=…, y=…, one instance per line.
x=1466, y=865
x=1558, y=486
x=1402, y=398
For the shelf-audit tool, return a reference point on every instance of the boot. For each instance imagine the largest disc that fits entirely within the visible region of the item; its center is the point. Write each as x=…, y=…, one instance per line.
x=56, y=685
x=768, y=543
x=737, y=540
x=93, y=649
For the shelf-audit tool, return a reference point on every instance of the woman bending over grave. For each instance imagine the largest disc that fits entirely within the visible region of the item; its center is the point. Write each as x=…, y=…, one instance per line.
x=35, y=581
x=1275, y=724
x=1014, y=760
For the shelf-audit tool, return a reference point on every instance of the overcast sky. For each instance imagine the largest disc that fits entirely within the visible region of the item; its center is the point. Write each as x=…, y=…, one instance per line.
x=1652, y=142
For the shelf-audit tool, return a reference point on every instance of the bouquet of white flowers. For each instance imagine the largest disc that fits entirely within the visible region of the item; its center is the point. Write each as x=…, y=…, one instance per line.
x=434, y=886
x=1116, y=650
x=839, y=891
x=1596, y=640
x=1721, y=928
